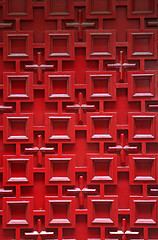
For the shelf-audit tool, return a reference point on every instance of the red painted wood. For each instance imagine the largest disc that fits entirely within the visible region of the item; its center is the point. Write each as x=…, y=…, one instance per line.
x=78, y=119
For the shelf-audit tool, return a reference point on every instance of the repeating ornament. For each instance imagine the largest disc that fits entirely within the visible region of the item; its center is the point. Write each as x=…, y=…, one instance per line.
x=78, y=119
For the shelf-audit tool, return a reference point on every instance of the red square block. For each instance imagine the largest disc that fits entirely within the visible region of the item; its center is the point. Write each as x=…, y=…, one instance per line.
x=18, y=128
x=142, y=44
x=101, y=85
x=101, y=44
x=58, y=9
x=99, y=7
x=102, y=211
x=141, y=85
x=143, y=169
x=141, y=217
x=59, y=86
x=16, y=8
x=60, y=169
x=137, y=8
x=18, y=86
x=19, y=170
x=100, y=127
x=59, y=45
x=101, y=169
x=18, y=46
x=18, y=213
x=60, y=212
x=142, y=127
x=60, y=128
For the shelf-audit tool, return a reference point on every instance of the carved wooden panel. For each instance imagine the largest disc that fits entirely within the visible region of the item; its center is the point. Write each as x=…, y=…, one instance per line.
x=78, y=119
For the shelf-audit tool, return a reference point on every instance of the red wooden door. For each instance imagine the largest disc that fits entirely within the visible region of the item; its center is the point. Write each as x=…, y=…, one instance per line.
x=78, y=119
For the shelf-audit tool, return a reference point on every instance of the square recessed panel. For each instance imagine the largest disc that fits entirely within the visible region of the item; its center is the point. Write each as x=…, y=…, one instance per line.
x=18, y=46
x=100, y=127
x=58, y=9
x=101, y=169
x=101, y=211
x=101, y=44
x=59, y=45
x=143, y=169
x=18, y=87
x=60, y=170
x=141, y=85
x=60, y=212
x=142, y=127
x=59, y=86
x=142, y=44
x=101, y=85
x=18, y=170
x=18, y=128
x=141, y=217
x=18, y=213
x=142, y=8
x=99, y=7
x=143, y=5
x=16, y=8
x=60, y=128
x=146, y=215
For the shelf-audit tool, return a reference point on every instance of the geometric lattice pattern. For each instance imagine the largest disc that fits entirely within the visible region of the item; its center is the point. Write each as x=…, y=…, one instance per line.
x=78, y=119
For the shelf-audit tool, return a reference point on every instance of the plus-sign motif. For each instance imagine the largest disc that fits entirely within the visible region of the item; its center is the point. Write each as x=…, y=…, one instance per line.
x=81, y=108
x=121, y=66
x=39, y=234
x=39, y=150
x=81, y=191
x=39, y=67
x=122, y=148
x=80, y=25
x=124, y=233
